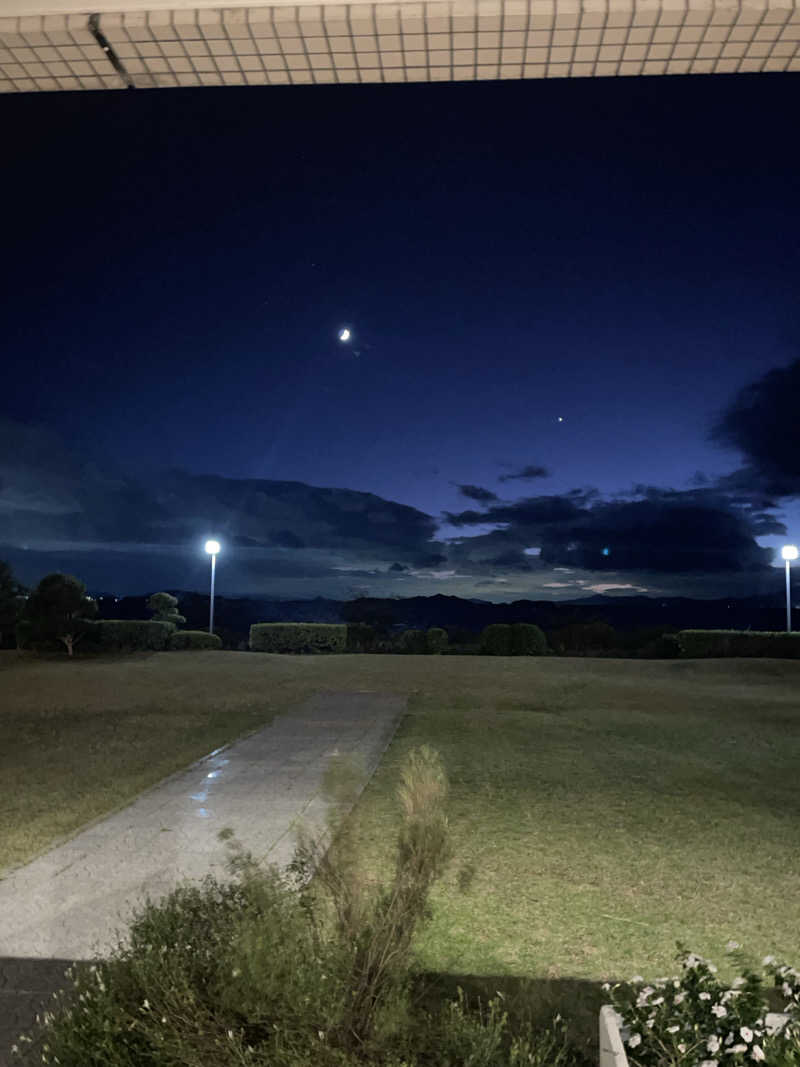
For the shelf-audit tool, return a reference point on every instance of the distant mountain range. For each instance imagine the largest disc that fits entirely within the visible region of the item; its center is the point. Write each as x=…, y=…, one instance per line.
x=234, y=616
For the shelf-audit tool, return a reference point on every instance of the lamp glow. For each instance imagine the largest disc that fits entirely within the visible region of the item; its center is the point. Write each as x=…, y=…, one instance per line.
x=789, y=552
x=212, y=547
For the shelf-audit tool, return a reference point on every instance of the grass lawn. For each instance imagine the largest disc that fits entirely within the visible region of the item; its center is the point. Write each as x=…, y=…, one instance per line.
x=600, y=809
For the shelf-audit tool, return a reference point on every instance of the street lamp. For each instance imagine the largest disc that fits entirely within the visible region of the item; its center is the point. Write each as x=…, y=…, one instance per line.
x=212, y=547
x=789, y=552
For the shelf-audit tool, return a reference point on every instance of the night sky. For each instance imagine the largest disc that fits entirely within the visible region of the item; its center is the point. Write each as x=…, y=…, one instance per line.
x=575, y=355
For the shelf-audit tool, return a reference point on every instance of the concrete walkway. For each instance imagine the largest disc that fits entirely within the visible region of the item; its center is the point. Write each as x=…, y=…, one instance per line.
x=70, y=903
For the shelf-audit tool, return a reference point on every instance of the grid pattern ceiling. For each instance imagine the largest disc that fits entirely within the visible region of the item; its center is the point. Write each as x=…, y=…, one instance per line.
x=439, y=40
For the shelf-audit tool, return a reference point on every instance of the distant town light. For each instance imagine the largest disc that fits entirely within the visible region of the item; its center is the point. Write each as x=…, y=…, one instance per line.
x=212, y=547
x=789, y=551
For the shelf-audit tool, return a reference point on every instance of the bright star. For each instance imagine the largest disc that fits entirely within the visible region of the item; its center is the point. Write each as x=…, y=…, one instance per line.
x=560, y=419
x=344, y=334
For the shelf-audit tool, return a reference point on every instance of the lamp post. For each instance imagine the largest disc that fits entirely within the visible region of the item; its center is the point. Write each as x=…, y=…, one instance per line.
x=789, y=552
x=212, y=547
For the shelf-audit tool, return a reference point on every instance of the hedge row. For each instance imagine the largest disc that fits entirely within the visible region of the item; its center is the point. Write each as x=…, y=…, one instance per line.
x=193, y=639
x=130, y=635
x=298, y=637
x=144, y=635
x=703, y=643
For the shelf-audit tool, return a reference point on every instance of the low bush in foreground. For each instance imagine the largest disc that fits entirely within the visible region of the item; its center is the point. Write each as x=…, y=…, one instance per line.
x=192, y=639
x=260, y=972
x=696, y=1018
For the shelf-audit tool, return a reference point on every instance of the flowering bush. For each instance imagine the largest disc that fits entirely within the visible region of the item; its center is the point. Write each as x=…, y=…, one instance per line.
x=698, y=1019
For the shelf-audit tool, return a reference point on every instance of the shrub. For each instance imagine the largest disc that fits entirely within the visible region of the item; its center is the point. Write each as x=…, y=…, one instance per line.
x=192, y=639
x=437, y=640
x=696, y=1017
x=131, y=635
x=258, y=972
x=527, y=640
x=164, y=607
x=496, y=640
x=298, y=637
x=704, y=643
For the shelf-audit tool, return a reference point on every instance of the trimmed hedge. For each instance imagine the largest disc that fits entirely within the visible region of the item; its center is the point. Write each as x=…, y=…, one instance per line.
x=513, y=639
x=130, y=635
x=361, y=637
x=437, y=640
x=704, y=643
x=527, y=640
x=496, y=639
x=414, y=642
x=298, y=637
x=182, y=640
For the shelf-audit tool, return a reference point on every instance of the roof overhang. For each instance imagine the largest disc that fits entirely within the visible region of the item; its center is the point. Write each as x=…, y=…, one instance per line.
x=63, y=44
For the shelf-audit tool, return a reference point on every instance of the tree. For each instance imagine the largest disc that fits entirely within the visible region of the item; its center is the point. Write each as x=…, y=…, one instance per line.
x=12, y=599
x=164, y=607
x=58, y=609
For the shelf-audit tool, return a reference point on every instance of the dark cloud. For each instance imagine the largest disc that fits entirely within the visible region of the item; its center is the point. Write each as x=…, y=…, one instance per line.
x=398, y=567
x=531, y=471
x=661, y=530
x=475, y=492
x=286, y=539
x=762, y=424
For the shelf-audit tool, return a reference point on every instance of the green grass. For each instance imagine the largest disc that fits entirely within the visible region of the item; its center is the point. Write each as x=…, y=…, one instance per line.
x=600, y=809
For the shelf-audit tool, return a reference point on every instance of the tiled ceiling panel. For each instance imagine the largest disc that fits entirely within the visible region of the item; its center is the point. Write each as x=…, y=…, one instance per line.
x=461, y=40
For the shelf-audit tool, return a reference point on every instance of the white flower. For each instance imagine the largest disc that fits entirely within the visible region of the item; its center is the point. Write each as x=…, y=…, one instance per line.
x=679, y=998
x=681, y=1047
x=705, y=996
x=708, y=1063
x=650, y=1022
x=739, y=1048
x=673, y=1029
x=606, y=987
x=737, y=983
x=757, y=1053
x=767, y=961
x=713, y=1044
x=637, y=978
x=732, y=946
x=321, y=1035
x=719, y=1010
x=634, y=1040
x=747, y=1034
x=658, y=1000
x=230, y=1035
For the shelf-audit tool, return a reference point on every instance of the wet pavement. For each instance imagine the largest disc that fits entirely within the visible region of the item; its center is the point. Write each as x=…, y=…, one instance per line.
x=75, y=902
